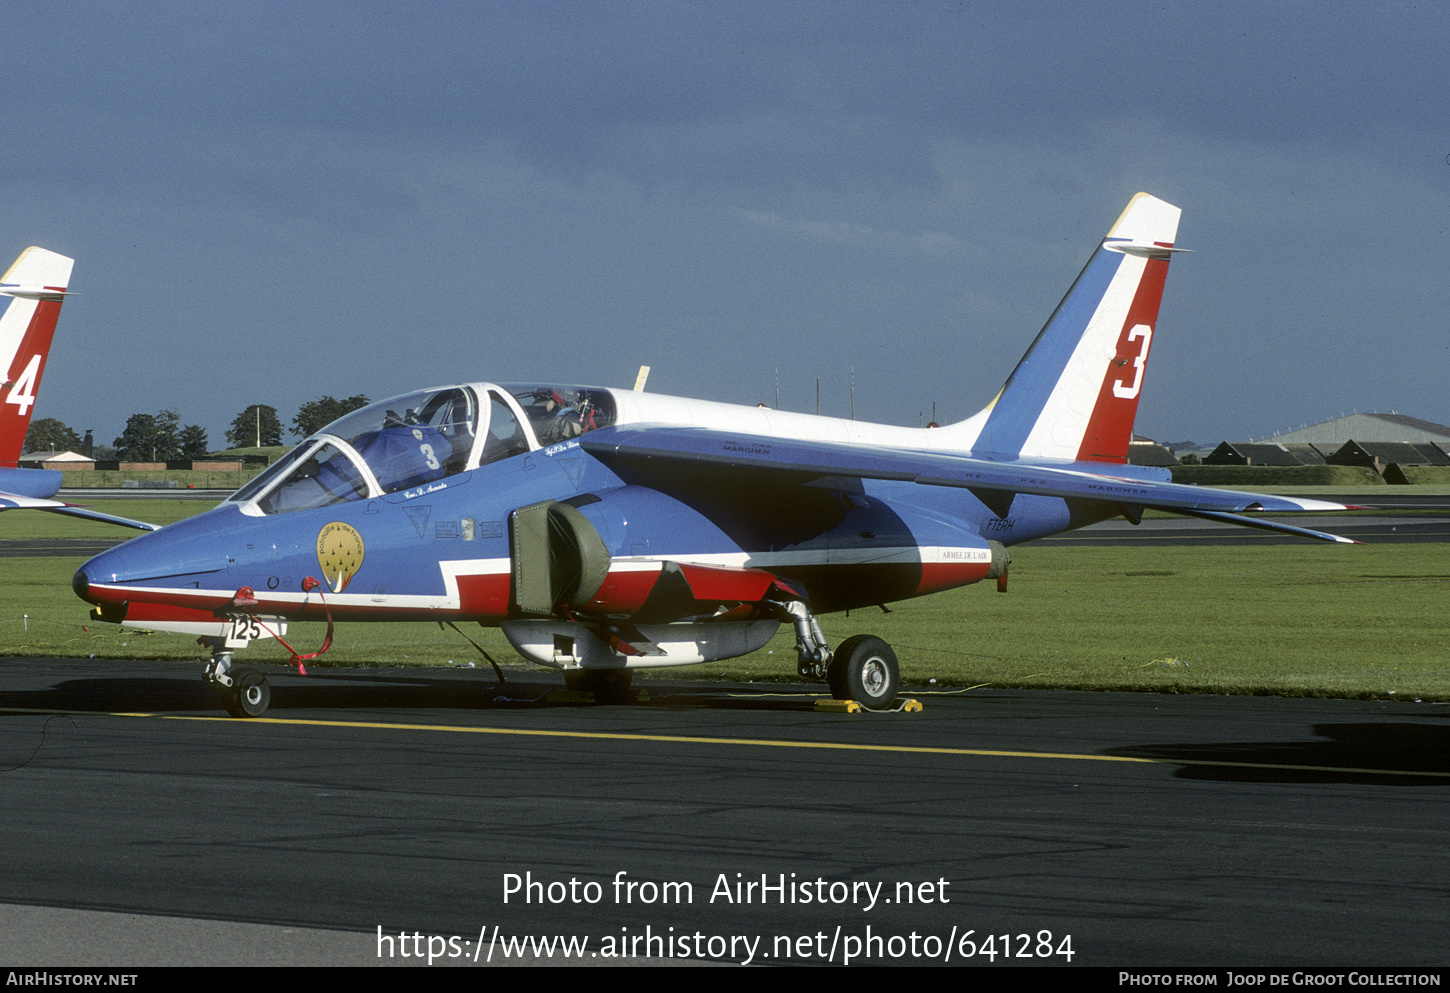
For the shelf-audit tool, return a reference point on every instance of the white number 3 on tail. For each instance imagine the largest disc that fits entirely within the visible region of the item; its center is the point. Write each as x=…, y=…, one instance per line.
x=1121, y=391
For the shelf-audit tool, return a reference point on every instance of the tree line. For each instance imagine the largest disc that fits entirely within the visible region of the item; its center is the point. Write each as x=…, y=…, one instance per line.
x=161, y=437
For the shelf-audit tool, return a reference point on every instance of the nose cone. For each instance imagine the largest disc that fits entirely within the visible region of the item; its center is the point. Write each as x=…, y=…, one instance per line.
x=189, y=554
x=108, y=567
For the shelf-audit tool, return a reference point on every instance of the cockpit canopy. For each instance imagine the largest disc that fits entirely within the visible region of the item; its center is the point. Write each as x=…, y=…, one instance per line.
x=558, y=413
x=419, y=438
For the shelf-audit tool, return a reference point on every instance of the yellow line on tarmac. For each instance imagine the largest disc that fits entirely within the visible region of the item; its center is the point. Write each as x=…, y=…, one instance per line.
x=771, y=743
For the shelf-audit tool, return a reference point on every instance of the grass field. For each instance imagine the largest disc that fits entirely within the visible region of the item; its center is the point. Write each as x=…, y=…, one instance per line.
x=183, y=478
x=1310, y=619
x=200, y=479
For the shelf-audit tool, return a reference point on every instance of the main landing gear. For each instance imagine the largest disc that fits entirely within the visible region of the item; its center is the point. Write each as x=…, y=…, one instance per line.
x=244, y=691
x=863, y=668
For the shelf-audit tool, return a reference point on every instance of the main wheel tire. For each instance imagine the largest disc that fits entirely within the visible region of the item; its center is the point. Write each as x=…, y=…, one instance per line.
x=864, y=669
x=250, y=694
x=607, y=685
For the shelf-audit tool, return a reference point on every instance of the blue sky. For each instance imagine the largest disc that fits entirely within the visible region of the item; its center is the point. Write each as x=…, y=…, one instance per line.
x=269, y=202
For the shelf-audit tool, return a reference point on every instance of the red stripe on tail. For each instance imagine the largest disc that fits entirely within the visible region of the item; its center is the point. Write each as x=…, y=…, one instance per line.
x=1110, y=428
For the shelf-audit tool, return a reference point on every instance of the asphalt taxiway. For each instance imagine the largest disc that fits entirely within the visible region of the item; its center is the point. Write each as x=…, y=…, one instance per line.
x=1058, y=828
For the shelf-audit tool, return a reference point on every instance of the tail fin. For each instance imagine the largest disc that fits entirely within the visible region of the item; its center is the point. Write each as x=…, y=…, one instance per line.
x=31, y=293
x=1075, y=393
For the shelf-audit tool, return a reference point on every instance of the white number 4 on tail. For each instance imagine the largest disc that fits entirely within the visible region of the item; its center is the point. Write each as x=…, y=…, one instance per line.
x=22, y=394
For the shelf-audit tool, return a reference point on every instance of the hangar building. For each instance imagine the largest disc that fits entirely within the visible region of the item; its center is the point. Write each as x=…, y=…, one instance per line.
x=1363, y=427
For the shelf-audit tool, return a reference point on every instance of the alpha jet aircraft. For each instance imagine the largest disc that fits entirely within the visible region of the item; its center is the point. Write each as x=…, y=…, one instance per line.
x=35, y=287
x=608, y=530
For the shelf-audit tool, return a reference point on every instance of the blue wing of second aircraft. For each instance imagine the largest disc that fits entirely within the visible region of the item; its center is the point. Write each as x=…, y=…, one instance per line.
x=1135, y=489
x=19, y=501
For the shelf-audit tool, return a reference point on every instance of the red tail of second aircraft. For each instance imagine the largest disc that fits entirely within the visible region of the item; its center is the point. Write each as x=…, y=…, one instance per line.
x=31, y=294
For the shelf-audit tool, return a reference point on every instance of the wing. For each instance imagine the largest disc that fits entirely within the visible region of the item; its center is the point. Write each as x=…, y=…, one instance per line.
x=993, y=482
x=15, y=501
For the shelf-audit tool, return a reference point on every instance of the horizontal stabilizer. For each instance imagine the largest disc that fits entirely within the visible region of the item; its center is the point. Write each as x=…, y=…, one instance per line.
x=33, y=292
x=1146, y=250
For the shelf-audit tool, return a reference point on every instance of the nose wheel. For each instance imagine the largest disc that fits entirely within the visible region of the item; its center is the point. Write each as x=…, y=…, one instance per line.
x=250, y=695
x=244, y=691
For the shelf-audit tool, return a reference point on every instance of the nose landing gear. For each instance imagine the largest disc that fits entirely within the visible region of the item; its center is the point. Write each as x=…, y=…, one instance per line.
x=244, y=691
